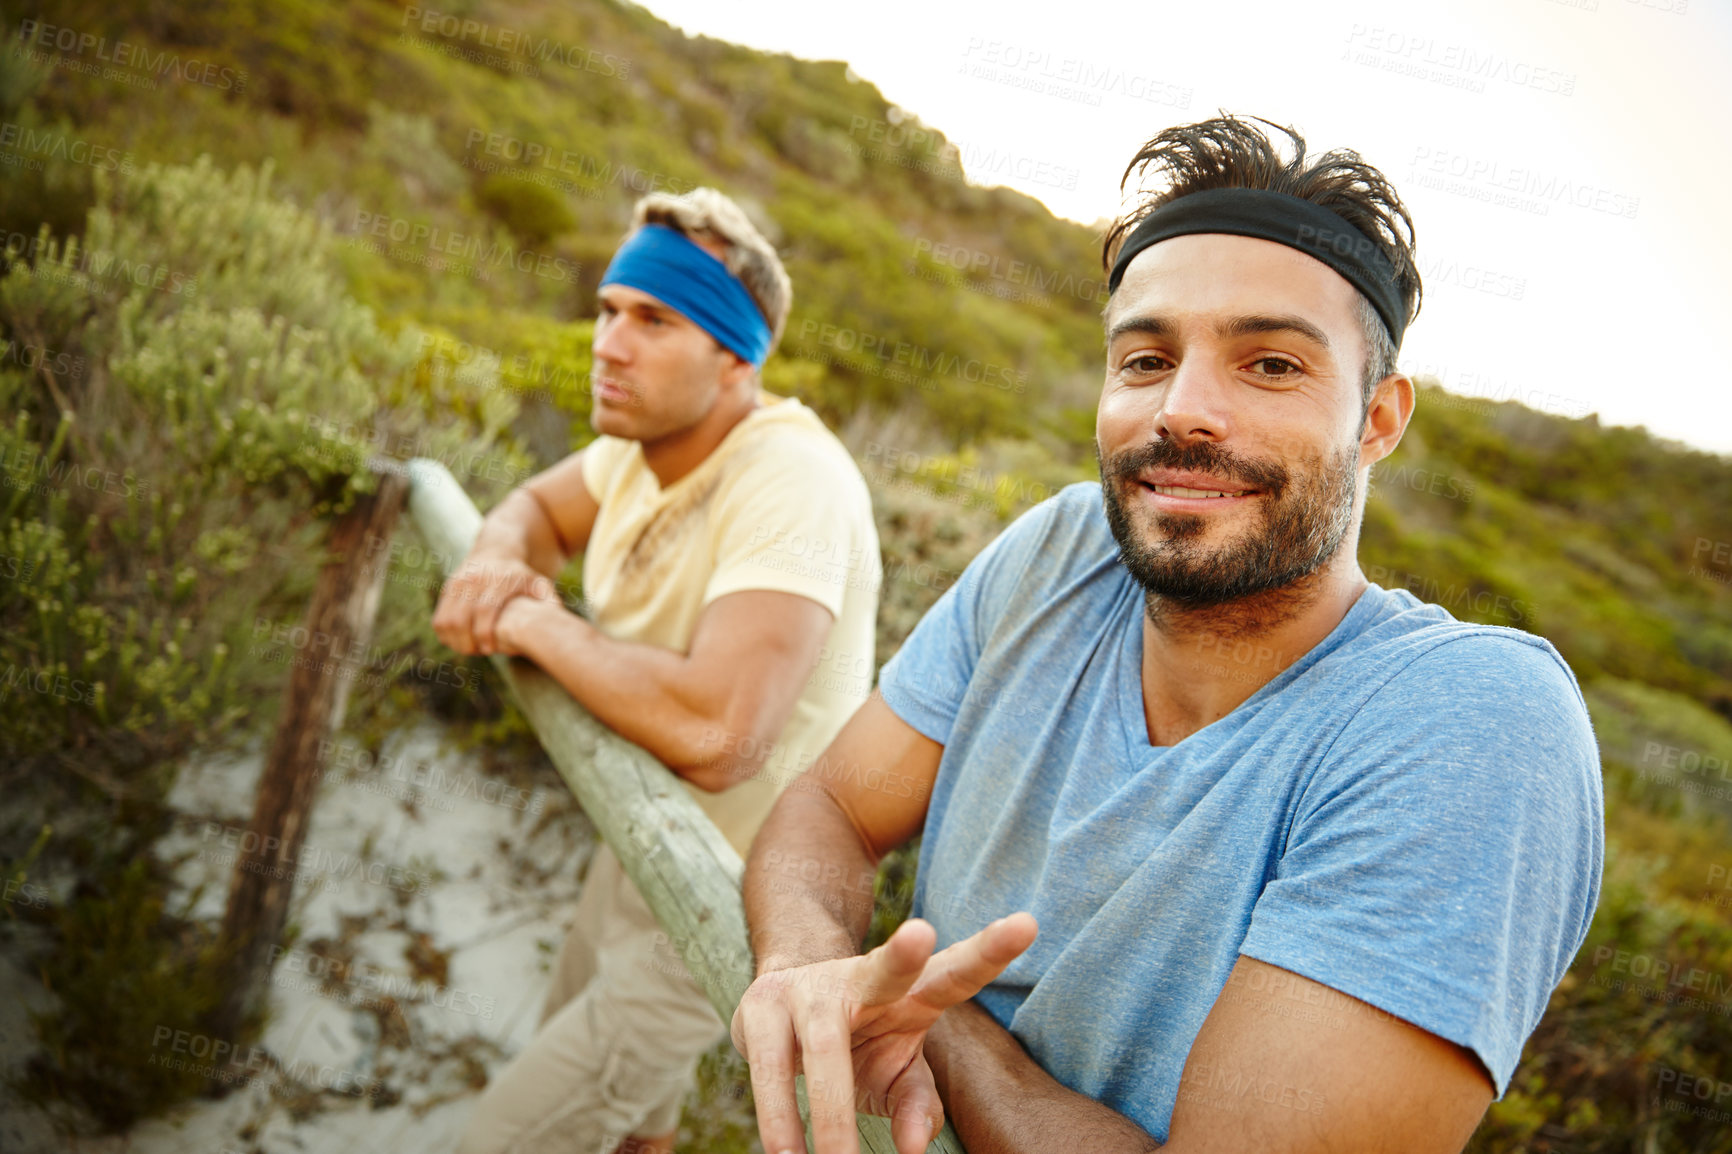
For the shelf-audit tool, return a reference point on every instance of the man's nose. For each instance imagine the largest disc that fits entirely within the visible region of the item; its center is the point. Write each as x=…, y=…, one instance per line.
x=1194, y=404
x=612, y=343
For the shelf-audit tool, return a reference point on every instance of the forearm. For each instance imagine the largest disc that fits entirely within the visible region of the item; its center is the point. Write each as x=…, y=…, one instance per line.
x=808, y=882
x=519, y=528
x=1000, y=1101
x=644, y=693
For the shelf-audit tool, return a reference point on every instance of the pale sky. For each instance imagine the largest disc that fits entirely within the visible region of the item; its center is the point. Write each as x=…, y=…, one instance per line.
x=1604, y=287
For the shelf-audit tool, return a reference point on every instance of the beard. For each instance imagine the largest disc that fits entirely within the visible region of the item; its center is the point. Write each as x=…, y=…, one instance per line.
x=1306, y=514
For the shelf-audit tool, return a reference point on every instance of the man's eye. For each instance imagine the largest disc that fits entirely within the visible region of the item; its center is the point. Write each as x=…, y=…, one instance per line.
x=1147, y=363
x=1274, y=366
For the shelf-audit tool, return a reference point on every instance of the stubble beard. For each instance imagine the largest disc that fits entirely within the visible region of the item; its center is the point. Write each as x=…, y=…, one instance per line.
x=1305, y=515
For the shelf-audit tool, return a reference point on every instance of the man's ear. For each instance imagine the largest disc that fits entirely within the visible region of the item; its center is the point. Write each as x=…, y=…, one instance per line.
x=1386, y=419
x=737, y=370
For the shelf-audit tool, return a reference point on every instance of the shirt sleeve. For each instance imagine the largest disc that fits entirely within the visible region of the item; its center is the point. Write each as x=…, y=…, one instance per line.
x=926, y=680
x=796, y=520
x=1444, y=862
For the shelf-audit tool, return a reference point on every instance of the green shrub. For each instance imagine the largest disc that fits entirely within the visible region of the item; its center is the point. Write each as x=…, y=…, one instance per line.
x=202, y=398
x=129, y=974
x=531, y=211
x=1614, y=1064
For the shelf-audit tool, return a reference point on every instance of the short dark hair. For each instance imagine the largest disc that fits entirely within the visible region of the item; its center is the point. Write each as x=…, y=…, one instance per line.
x=1230, y=152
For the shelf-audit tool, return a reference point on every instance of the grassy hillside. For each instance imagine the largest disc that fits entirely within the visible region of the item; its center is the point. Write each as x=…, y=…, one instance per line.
x=378, y=117
x=464, y=183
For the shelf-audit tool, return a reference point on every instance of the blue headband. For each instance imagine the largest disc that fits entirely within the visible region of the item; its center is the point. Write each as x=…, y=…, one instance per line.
x=665, y=264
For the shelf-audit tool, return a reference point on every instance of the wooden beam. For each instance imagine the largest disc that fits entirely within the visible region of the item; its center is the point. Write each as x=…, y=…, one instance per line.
x=673, y=853
x=339, y=623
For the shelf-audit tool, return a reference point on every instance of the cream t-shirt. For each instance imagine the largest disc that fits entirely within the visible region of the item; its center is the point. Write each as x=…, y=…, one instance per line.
x=779, y=504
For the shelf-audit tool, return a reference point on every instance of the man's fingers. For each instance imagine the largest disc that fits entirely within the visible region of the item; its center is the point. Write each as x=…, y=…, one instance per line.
x=484, y=624
x=768, y=1037
x=450, y=624
x=958, y=972
x=827, y=1055
x=467, y=616
x=542, y=588
x=888, y=972
x=916, y=1112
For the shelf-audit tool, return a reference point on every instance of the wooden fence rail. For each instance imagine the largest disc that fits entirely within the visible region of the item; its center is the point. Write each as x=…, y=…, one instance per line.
x=673, y=853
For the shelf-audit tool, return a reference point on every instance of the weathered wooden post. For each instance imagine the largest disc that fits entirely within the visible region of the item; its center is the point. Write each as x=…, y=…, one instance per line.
x=673, y=853
x=339, y=621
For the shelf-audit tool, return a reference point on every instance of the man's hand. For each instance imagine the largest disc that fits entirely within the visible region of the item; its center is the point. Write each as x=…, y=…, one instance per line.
x=524, y=619
x=856, y=1027
x=467, y=617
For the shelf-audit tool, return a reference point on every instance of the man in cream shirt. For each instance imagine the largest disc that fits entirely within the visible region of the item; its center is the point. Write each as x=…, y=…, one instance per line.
x=731, y=568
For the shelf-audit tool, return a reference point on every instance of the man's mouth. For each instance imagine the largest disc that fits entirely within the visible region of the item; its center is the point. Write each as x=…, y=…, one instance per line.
x=609, y=389
x=1181, y=491
x=1184, y=489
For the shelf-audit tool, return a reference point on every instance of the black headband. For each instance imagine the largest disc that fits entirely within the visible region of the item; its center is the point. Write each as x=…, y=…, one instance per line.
x=1290, y=220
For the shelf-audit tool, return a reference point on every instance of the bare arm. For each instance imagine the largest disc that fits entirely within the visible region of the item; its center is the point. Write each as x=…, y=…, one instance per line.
x=564, y=513
x=808, y=881
x=1268, y=1071
x=1000, y=1100
x=522, y=545
x=544, y=521
x=1271, y=1070
x=750, y=656
x=852, y=1024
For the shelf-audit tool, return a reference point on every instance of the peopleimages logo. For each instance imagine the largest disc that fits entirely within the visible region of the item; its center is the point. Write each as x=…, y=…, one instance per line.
x=517, y=50
x=47, y=682
x=50, y=145
x=363, y=984
x=1661, y=978
x=267, y=856
x=300, y=646
x=425, y=777
x=871, y=348
x=1041, y=281
x=1036, y=69
x=40, y=39
x=27, y=467
x=1455, y=65
x=224, y=1061
x=1522, y=182
x=409, y=237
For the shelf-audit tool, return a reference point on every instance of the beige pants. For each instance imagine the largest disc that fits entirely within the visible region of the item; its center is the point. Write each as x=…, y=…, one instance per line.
x=620, y=1037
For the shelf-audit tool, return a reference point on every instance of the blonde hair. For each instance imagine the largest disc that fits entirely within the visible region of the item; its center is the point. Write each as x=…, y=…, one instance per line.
x=705, y=214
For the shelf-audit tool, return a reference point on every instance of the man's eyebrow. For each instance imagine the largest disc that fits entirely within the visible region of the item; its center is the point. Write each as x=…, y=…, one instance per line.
x=1157, y=326
x=652, y=307
x=1247, y=326
x=1147, y=325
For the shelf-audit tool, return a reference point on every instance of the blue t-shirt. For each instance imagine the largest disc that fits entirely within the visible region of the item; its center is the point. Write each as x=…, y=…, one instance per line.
x=1409, y=814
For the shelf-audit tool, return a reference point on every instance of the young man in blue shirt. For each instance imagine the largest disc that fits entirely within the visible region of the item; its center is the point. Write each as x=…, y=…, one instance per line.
x=1226, y=848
